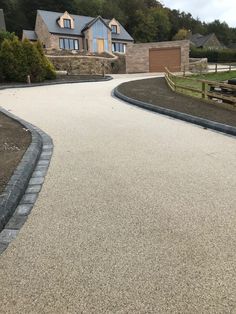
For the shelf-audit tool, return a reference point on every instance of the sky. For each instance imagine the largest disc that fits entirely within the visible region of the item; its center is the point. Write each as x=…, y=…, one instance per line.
x=206, y=10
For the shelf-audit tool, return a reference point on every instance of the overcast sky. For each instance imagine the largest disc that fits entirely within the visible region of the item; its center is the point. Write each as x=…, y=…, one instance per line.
x=207, y=10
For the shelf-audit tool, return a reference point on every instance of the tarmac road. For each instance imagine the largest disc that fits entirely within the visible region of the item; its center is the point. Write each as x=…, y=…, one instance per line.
x=137, y=213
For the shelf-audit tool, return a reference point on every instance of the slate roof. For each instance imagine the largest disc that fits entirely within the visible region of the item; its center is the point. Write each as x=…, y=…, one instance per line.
x=232, y=46
x=31, y=35
x=2, y=20
x=50, y=19
x=200, y=40
x=93, y=21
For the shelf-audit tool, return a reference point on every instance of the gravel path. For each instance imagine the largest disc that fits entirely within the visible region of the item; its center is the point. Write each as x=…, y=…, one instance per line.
x=137, y=213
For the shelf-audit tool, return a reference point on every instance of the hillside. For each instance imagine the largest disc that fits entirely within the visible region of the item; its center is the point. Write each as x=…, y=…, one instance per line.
x=146, y=20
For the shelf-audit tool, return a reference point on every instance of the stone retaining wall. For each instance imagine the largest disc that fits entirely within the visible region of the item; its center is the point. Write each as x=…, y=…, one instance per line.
x=79, y=65
x=198, y=65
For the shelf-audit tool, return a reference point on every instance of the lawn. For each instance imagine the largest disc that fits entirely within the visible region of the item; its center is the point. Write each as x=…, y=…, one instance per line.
x=192, y=81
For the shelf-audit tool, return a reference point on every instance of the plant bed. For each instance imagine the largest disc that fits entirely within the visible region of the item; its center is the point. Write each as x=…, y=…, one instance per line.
x=14, y=141
x=61, y=79
x=155, y=91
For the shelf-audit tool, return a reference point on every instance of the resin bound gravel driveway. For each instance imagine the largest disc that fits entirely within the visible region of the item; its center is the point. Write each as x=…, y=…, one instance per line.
x=137, y=213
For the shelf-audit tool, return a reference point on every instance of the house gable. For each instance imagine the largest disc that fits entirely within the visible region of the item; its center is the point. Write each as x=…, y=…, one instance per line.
x=64, y=18
x=95, y=21
x=208, y=41
x=114, y=24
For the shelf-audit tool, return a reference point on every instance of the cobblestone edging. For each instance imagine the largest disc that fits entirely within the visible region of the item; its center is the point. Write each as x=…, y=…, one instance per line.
x=21, y=192
x=220, y=127
x=102, y=79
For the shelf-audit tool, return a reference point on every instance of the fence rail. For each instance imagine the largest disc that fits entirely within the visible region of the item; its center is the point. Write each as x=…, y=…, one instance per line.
x=210, y=90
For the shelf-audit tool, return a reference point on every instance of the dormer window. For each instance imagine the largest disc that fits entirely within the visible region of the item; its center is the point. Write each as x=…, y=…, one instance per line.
x=114, y=29
x=67, y=23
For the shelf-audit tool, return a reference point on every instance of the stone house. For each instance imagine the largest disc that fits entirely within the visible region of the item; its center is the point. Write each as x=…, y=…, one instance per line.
x=2, y=21
x=209, y=41
x=64, y=31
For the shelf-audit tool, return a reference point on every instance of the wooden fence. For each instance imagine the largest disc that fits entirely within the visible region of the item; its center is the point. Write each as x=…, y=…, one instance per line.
x=210, y=90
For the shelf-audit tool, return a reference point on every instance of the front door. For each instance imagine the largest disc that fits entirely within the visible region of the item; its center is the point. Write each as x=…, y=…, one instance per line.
x=100, y=45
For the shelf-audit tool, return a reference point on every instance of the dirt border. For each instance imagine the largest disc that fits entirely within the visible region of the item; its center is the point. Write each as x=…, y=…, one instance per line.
x=220, y=127
x=21, y=192
x=102, y=79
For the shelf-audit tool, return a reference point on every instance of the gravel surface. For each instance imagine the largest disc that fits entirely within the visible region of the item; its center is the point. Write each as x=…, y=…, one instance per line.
x=136, y=215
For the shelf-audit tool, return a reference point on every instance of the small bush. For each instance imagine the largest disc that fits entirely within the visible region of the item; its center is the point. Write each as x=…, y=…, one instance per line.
x=6, y=35
x=50, y=73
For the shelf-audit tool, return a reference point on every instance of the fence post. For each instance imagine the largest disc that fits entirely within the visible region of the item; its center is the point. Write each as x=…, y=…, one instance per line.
x=216, y=68
x=204, y=95
x=230, y=67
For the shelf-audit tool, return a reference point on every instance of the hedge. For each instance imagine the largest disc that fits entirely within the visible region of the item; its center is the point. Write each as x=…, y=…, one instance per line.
x=221, y=55
x=18, y=60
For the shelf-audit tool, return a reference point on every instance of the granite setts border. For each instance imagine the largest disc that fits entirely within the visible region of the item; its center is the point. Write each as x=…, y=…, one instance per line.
x=220, y=127
x=102, y=79
x=21, y=192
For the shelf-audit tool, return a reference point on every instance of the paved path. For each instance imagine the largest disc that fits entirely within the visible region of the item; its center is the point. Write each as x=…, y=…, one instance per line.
x=137, y=214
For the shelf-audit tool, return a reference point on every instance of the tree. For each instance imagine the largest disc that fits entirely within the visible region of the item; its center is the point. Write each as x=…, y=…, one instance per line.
x=182, y=34
x=162, y=24
x=89, y=8
x=29, y=8
x=145, y=29
x=221, y=30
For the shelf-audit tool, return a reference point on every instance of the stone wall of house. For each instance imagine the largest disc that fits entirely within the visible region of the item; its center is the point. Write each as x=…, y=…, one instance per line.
x=51, y=41
x=137, y=55
x=55, y=41
x=79, y=65
x=213, y=43
x=42, y=32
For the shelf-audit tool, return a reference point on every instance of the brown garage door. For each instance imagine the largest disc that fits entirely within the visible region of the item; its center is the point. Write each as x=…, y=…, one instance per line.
x=164, y=57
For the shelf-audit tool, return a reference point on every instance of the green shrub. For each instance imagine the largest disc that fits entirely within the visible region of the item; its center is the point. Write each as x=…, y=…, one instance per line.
x=220, y=55
x=20, y=59
x=34, y=62
x=13, y=60
x=50, y=73
x=6, y=35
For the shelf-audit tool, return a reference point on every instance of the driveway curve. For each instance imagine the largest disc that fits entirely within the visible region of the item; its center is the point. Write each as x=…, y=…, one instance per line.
x=137, y=213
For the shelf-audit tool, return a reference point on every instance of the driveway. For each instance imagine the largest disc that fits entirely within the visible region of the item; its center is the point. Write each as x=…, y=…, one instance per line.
x=137, y=213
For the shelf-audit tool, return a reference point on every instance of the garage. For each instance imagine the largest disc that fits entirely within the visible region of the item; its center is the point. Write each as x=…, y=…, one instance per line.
x=154, y=57
x=164, y=57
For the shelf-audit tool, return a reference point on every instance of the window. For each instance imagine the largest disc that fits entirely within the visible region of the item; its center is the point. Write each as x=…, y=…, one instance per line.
x=67, y=23
x=114, y=29
x=69, y=44
x=119, y=47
